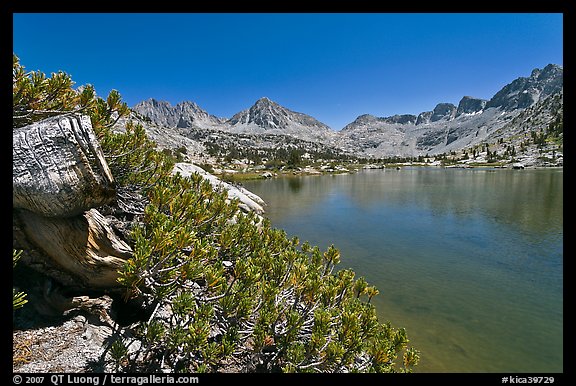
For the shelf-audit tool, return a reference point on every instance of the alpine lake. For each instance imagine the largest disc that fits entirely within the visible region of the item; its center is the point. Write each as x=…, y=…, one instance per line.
x=469, y=261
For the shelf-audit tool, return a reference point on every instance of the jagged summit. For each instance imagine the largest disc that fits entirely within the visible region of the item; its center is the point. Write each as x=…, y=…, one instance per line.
x=267, y=116
x=265, y=101
x=442, y=111
x=525, y=91
x=470, y=105
x=183, y=115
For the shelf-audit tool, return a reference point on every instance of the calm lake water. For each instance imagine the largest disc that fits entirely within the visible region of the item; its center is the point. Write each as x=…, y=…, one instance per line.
x=470, y=262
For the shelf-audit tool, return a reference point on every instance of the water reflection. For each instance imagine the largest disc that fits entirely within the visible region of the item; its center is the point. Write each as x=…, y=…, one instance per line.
x=529, y=199
x=295, y=184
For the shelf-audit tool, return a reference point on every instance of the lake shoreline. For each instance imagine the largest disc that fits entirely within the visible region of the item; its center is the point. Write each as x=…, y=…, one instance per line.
x=239, y=176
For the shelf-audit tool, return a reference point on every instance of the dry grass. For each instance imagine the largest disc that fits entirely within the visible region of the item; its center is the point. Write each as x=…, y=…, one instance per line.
x=21, y=350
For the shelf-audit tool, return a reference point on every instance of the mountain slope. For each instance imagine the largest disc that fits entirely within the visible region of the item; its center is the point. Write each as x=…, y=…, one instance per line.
x=447, y=127
x=524, y=92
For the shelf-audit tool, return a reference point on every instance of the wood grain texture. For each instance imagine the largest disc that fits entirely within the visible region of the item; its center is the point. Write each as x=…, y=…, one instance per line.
x=84, y=246
x=59, y=169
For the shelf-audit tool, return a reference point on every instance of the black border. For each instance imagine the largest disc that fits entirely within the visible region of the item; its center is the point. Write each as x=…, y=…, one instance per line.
x=547, y=6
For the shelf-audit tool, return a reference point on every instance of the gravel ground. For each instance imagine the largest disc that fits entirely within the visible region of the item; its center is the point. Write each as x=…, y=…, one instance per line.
x=76, y=344
x=47, y=338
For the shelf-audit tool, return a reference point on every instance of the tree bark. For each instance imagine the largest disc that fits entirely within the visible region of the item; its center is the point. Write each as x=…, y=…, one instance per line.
x=59, y=177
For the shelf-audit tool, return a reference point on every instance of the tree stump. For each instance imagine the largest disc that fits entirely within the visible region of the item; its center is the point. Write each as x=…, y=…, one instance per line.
x=59, y=177
x=58, y=168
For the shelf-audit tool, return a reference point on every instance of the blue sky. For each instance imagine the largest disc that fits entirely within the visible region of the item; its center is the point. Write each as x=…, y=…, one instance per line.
x=333, y=66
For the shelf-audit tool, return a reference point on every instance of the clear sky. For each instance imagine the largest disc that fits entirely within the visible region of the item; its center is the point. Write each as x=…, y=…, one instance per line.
x=332, y=66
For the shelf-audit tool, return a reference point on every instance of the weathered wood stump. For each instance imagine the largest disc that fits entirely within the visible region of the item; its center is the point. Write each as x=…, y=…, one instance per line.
x=59, y=177
x=58, y=168
x=83, y=245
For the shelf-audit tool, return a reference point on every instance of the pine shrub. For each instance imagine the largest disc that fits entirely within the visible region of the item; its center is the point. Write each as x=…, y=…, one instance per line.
x=228, y=290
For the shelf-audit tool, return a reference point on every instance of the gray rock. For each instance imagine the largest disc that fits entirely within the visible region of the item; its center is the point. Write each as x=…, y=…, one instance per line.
x=401, y=119
x=424, y=117
x=267, y=175
x=444, y=111
x=76, y=344
x=248, y=201
x=469, y=105
x=523, y=105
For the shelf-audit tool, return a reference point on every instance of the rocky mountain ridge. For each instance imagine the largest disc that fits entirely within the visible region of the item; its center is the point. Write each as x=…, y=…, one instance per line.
x=448, y=127
x=264, y=117
x=183, y=115
x=445, y=128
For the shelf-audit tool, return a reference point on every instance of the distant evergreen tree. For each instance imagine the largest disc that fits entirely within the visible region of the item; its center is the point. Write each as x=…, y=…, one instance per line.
x=294, y=158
